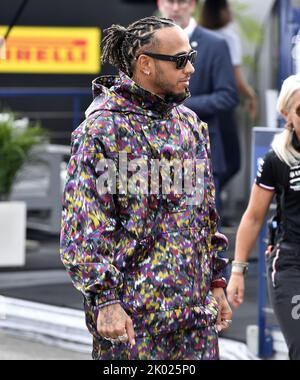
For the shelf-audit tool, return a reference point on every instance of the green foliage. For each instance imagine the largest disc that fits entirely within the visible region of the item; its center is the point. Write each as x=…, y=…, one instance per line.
x=249, y=27
x=249, y=62
x=15, y=145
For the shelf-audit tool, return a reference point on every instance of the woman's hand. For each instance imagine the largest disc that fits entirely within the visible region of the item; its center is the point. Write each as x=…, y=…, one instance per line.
x=236, y=289
x=252, y=106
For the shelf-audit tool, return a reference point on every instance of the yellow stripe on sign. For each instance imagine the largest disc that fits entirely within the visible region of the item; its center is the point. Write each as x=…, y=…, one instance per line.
x=50, y=50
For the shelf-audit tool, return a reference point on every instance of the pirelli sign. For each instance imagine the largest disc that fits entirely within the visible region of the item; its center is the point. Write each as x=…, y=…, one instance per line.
x=48, y=50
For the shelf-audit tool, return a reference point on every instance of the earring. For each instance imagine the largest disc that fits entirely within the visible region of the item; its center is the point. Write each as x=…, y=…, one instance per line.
x=290, y=127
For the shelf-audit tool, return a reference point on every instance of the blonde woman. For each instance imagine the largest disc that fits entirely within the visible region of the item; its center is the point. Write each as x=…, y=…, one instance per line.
x=279, y=176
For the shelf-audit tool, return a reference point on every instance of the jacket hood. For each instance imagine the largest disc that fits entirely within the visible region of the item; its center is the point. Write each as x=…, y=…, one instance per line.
x=121, y=94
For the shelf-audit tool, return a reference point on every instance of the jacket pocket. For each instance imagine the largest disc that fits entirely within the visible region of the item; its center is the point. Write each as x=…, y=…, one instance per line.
x=165, y=280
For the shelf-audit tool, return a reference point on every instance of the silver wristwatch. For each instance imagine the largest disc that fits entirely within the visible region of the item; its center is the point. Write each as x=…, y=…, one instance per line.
x=239, y=267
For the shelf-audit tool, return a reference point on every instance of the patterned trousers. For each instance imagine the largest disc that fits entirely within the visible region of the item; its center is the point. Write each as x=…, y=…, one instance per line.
x=200, y=344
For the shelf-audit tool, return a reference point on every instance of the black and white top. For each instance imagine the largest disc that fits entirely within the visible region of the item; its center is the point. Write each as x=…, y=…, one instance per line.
x=275, y=175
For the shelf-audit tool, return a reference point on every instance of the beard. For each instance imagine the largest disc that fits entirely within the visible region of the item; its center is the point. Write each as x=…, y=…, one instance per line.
x=166, y=88
x=171, y=97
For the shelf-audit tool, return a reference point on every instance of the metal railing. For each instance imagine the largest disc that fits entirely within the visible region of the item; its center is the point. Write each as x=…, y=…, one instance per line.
x=75, y=93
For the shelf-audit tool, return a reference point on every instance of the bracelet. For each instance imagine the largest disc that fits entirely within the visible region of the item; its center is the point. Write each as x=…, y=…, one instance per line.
x=219, y=283
x=239, y=267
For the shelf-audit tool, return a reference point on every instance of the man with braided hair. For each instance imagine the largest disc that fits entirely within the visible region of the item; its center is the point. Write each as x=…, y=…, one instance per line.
x=146, y=261
x=213, y=89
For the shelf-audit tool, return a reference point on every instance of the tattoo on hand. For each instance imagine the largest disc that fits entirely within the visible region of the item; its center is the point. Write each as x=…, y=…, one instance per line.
x=220, y=298
x=108, y=317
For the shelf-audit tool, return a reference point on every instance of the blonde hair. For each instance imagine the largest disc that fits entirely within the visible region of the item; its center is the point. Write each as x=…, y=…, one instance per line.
x=282, y=143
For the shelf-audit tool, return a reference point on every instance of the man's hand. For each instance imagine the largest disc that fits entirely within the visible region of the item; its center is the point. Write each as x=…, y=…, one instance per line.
x=225, y=313
x=236, y=289
x=113, y=322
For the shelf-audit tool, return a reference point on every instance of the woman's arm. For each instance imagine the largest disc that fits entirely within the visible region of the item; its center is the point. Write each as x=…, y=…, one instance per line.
x=246, y=90
x=247, y=235
x=252, y=222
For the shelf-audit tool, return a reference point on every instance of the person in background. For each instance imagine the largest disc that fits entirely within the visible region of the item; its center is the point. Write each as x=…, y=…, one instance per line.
x=217, y=16
x=279, y=175
x=213, y=87
x=147, y=264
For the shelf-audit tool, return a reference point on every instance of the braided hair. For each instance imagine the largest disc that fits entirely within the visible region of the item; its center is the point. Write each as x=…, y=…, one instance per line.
x=121, y=45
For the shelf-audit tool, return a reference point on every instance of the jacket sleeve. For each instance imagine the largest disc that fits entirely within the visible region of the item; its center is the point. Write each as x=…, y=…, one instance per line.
x=218, y=242
x=88, y=230
x=224, y=95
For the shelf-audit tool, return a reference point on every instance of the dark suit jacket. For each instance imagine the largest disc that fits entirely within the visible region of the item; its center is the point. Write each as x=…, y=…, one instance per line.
x=213, y=88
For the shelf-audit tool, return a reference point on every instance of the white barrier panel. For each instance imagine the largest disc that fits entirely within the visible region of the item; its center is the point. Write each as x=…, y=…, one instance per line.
x=12, y=233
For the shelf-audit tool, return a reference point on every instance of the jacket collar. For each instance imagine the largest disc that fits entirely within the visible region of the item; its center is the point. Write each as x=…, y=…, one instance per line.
x=198, y=33
x=142, y=98
x=189, y=30
x=122, y=94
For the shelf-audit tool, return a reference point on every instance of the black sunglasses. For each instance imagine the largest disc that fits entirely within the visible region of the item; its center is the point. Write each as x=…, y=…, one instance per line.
x=180, y=60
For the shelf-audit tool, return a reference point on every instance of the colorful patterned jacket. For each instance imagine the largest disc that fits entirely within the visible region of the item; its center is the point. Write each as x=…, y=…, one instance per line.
x=155, y=254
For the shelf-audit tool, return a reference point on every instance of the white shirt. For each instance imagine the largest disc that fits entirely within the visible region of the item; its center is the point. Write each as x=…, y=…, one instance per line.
x=233, y=42
x=189, y=30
